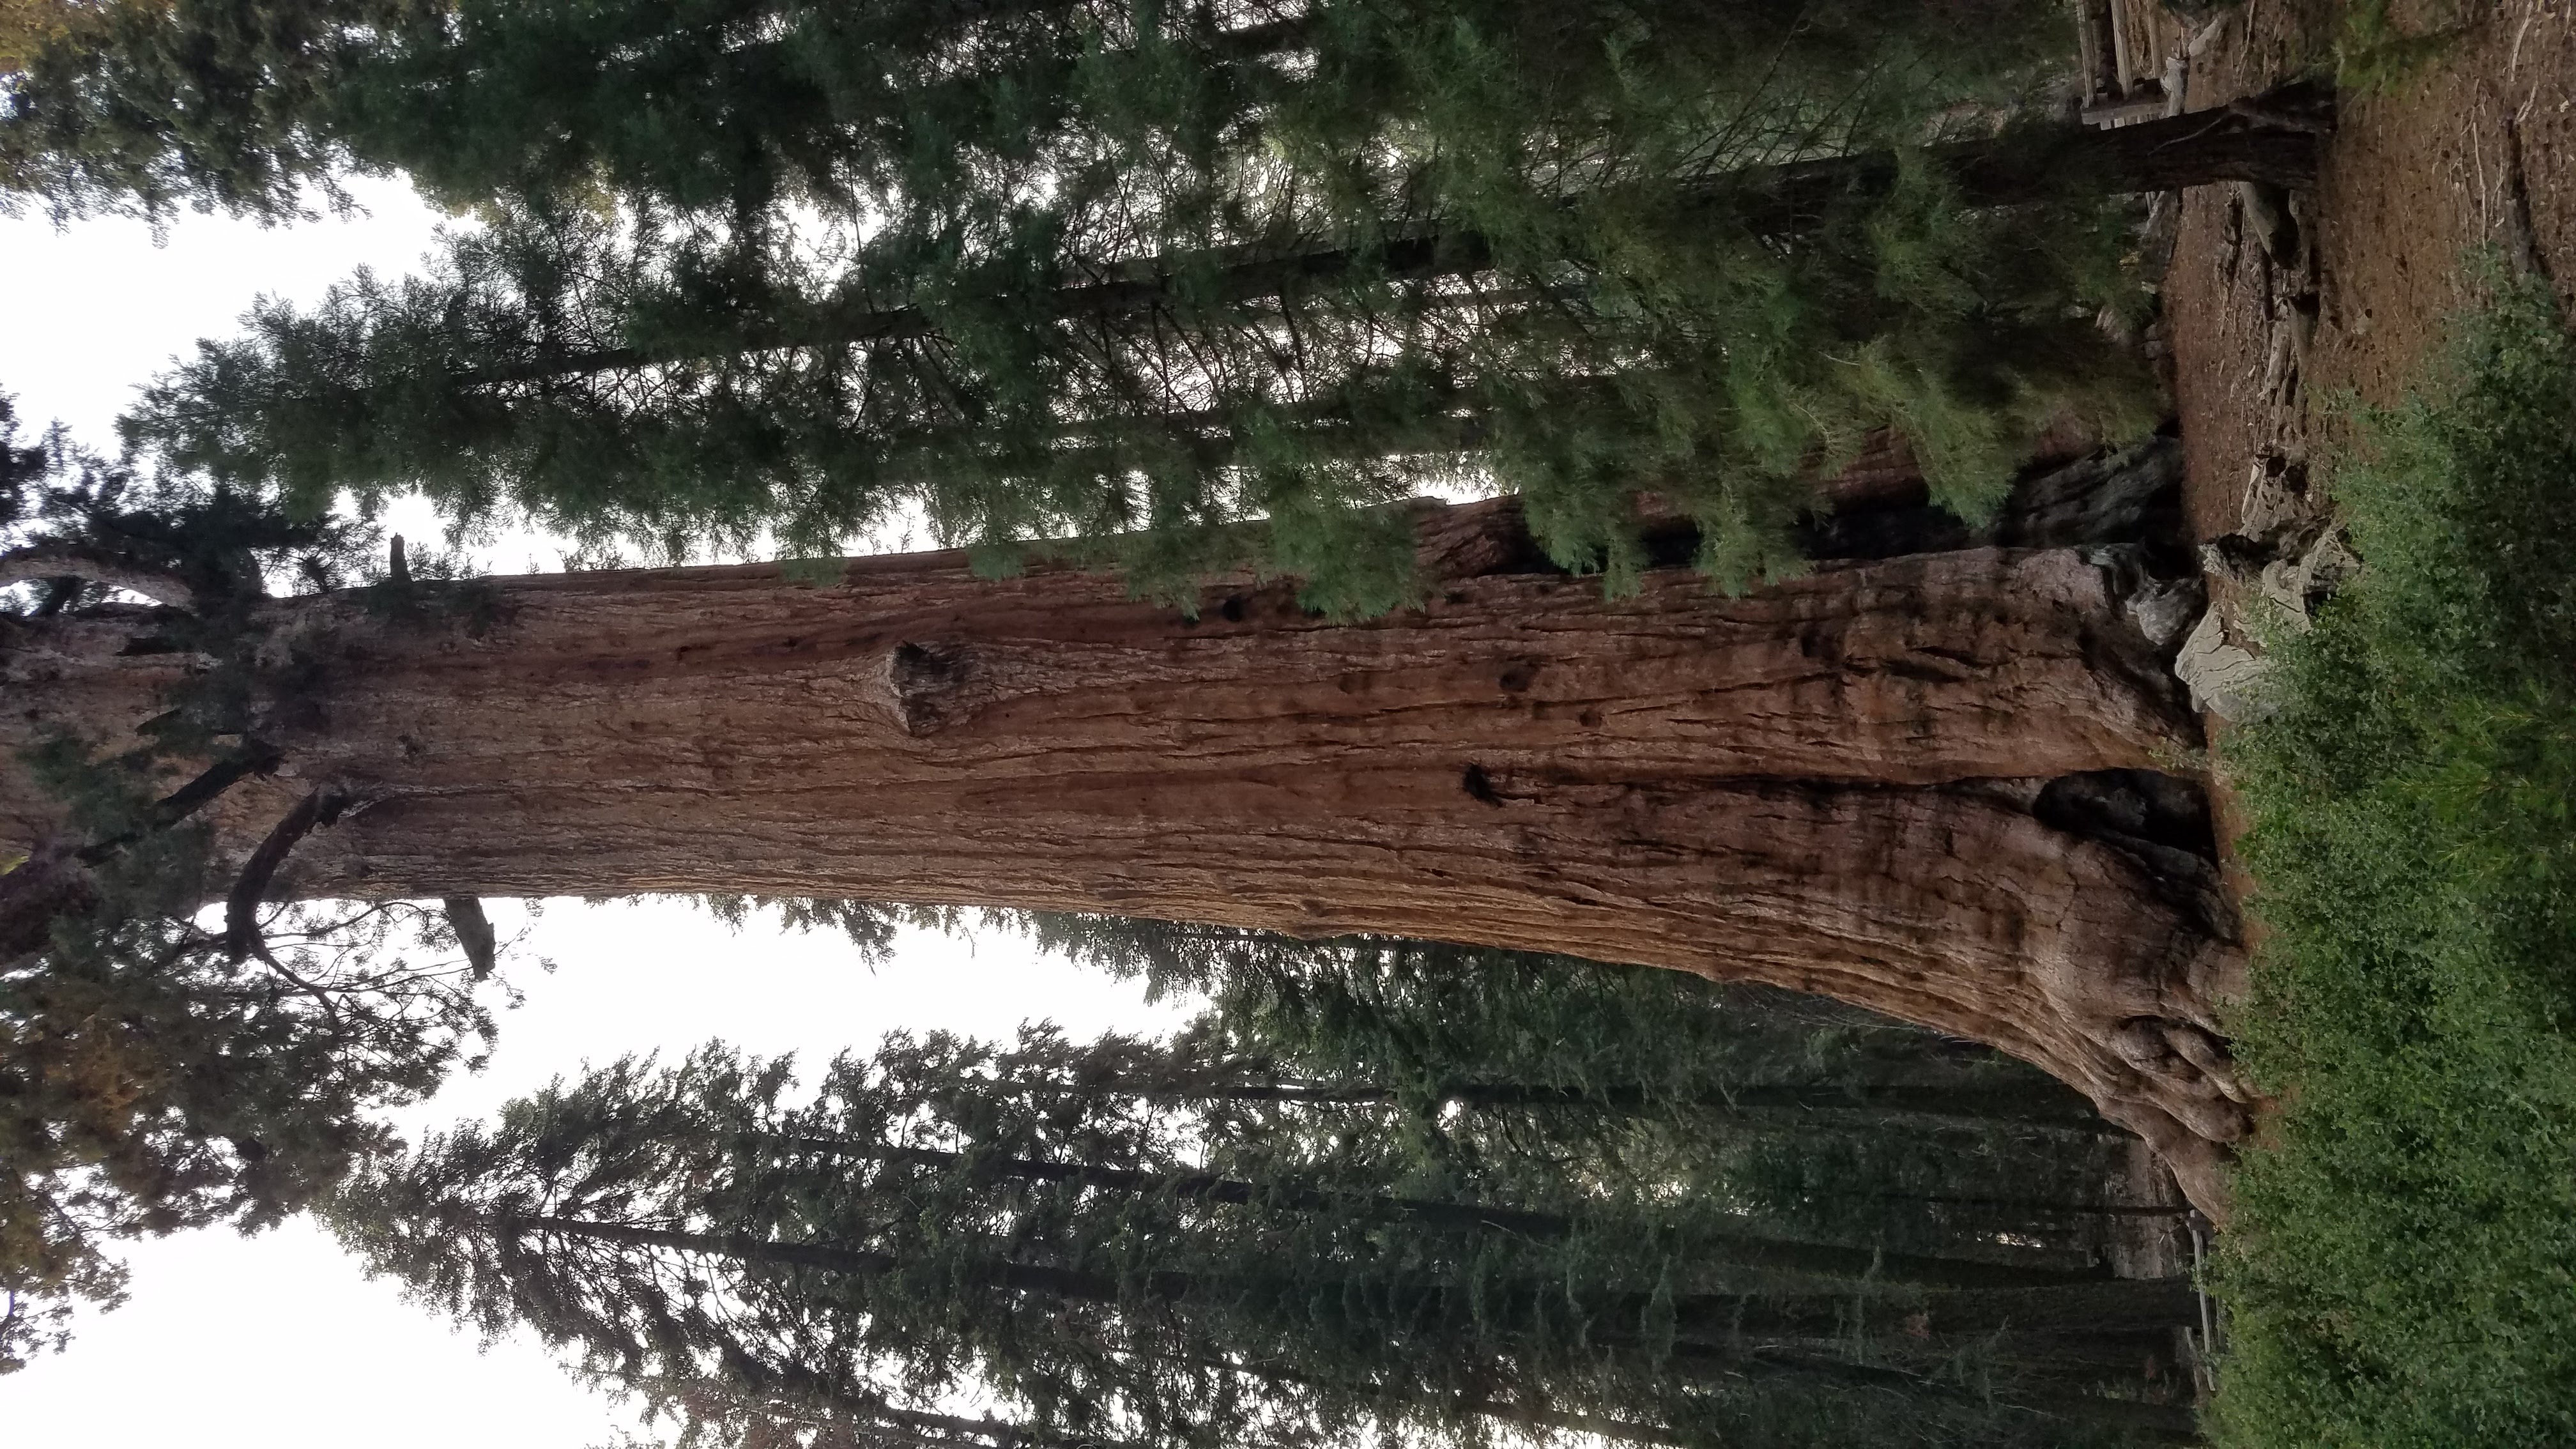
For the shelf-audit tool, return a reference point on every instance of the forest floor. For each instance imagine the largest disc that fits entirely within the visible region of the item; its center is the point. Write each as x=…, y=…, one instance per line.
x=2463, y=134
x=2406, y=1241
x=2421, y=168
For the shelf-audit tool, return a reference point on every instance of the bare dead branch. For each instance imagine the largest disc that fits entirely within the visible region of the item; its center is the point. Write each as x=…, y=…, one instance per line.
x=72, y=561
x=473, y=932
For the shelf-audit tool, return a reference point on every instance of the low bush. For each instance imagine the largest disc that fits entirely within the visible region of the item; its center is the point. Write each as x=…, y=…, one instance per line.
x=2402, y=1269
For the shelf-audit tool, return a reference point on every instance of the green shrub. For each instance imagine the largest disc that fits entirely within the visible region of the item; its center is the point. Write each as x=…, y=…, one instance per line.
x=2403, y=1269
x=2375, y=57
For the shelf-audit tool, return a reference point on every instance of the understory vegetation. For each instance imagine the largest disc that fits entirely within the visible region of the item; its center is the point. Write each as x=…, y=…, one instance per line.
x=2400, y=1268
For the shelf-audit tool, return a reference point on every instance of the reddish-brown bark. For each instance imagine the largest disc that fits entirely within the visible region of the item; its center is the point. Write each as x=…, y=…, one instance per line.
x=1828, y=785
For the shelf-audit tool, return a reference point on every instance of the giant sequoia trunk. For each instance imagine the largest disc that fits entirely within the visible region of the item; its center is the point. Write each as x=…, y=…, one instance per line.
x=1912, y=784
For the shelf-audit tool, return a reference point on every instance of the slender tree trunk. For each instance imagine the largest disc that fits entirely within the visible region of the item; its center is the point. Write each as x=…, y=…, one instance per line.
x=1840, y=784
x=1288, y=1196
x=1761, y=1254
x=869, y=1421
x=2164, y=1423
x=1070, y=1284
x=1525, y=1414
x=2045, y=1205
x=1981, y=1106
x=1707, y=1332
x=1974, y=1106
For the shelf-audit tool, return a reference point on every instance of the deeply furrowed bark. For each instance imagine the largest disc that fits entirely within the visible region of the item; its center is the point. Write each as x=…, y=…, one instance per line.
x=1839, y=784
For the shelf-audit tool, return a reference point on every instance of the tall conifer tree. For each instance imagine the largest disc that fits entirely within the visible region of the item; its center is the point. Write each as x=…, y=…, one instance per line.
x=891, y=1239
x=1807, y=1118
x=1058, y=269
x=662, y=385
x=718, y=104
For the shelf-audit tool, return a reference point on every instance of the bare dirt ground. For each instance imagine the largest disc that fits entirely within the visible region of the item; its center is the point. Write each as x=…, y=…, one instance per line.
x=2470, y=139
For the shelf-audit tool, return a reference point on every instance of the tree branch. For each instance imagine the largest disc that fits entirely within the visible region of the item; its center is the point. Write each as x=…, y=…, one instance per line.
x=241, y=908
x=256, y=757
x=69, y=560
x=473, y=932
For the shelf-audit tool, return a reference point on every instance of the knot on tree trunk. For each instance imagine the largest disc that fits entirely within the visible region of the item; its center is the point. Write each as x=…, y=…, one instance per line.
x=1455, y=541
x=2192, y=1057
x=922, y=688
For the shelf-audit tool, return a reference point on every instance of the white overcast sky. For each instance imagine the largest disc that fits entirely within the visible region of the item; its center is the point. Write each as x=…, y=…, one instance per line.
x=276, y=1341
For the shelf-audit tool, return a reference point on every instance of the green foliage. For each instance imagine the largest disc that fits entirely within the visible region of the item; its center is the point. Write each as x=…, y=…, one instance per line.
x=868, y=926
x=142, y=107
x=1791, y=1114
x=718, y=107
x=215, y=542
x=641, y=385
x=1141, y=1244
x=1143, y=275
x=2373, y=56
x=151, y=1080
x=154, y=1075
x=2405, y=1267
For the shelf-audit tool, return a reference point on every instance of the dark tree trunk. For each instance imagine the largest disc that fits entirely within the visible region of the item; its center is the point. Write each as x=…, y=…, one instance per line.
x=1809, y=1102
x=1761, y=1254
x=1199, y=1187
x=1708, y=1332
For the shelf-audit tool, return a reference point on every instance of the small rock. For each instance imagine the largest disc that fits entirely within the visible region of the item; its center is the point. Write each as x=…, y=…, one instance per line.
x=2224, y=678
x=2162, y=611
x=2298, y=583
